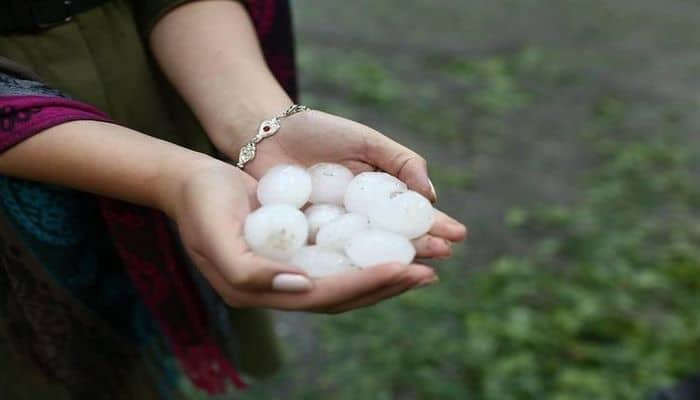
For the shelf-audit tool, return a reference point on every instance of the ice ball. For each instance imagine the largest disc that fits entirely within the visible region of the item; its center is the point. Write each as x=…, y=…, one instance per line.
x=319, y=262
x=329, y=182
x=376, y=246
x=409, y=214
x=369, y=188
x=285, y=184
x=276, y=231
x=339, y=231
x=320, y=214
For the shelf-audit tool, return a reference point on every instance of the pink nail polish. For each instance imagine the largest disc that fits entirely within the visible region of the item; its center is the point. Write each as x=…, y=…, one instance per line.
x=291, y=283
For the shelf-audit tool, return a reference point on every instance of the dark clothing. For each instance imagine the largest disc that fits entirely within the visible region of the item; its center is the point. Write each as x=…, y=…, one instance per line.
x=73, y=320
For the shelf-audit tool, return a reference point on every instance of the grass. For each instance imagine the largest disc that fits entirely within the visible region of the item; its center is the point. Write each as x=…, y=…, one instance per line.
x=603, y=302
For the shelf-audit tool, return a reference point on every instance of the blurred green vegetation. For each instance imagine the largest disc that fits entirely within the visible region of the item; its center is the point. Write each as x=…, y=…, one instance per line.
x=600, y=303
x=603, y=307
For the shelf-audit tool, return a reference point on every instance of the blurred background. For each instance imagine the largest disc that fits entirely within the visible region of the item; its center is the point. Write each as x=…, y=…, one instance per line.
x=565, y=134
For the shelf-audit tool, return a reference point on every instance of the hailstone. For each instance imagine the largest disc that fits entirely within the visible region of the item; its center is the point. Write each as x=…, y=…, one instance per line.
x=338, y=232
x=320, y=214
x=329, y=182
x=355, y=222
x=375, y=247
x=319, y=262
x=285, y=184
x=409, y=214
x=276, y=231
x=369, y=188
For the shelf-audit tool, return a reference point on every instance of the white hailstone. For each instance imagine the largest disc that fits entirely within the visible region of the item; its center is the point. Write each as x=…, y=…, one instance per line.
x=369, y=188
x=329, y=183
x=319, y=262
x=320, y=214
x=285, y=184
x=409, y=214
x=339, y=231
x=276, y=231
x=375, y=246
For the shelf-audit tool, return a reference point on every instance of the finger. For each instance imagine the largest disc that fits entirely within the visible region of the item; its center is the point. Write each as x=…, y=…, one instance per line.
x=220, y=284
x=381, y=294
x=370, y=299
x=411, y=276
x=259, y=273
x=342, y=288
x=251, y=272
x=429, y=246
x=401, y=162
x=237, y=297
x=243, y=269
x=223, y=246
x=447, y=227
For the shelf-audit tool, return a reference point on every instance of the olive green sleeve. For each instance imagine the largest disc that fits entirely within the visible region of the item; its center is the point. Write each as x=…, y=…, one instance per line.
x=148, y=12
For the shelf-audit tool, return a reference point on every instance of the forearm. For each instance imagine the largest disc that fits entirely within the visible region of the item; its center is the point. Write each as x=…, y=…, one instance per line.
x=210, y=52
x=105, y=159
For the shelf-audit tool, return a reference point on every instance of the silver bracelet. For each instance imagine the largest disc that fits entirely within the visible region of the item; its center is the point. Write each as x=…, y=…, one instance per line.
x=266, y=129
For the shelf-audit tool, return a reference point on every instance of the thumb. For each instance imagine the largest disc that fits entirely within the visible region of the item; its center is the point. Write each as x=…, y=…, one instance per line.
x=252, y=272
x=244, y=270
x=401, y=162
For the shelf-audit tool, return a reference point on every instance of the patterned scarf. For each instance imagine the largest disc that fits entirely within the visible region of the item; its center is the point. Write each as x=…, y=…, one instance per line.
x=147, y=248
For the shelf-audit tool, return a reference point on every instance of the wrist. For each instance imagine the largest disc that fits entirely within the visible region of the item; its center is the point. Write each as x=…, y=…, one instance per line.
x=242, y=122
x=176, y=175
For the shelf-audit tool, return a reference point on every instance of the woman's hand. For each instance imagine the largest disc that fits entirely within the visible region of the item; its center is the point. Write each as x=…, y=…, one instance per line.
x=313, y=136
x=210, y=211
x=209, y=200
x=234, y=90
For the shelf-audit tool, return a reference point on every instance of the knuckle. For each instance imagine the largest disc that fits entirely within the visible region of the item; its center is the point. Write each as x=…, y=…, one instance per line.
x=409, y=158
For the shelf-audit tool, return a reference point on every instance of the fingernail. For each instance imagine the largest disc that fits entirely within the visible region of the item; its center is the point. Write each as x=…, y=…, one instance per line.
x=432, y=189
x=291, y=283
